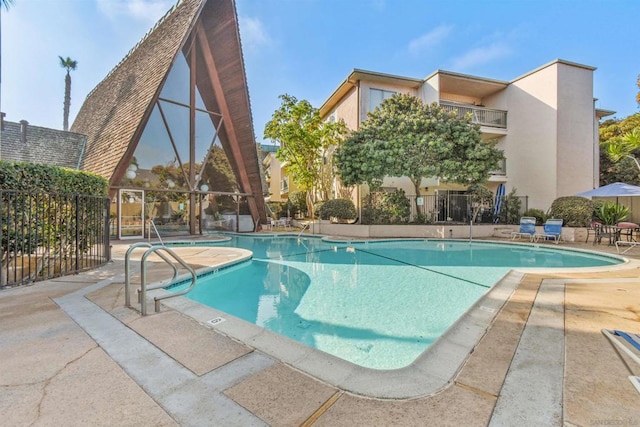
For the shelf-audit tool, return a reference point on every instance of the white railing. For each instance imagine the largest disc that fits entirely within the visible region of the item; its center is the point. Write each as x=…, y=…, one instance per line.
x=482, y=116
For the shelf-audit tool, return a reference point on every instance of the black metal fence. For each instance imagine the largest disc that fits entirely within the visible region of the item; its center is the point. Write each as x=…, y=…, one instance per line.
x=397, y=208
x=45, y=235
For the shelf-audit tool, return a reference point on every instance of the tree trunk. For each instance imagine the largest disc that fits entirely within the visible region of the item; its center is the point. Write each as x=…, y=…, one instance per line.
x=416, y=185
x=67, y=101
x=310, y=205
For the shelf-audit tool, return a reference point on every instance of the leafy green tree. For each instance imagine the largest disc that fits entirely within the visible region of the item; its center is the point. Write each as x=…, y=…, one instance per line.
x=620, y=150
x=305, y=144
x=480, y=197
x=404, y=137
x=68, y=64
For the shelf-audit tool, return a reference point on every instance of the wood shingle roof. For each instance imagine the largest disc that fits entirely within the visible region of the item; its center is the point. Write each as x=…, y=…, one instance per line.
x=114, y=114
x=41, y=145
x=116, y=110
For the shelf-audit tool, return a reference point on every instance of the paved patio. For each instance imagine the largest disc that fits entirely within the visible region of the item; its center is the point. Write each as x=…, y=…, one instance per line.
x=74, y=355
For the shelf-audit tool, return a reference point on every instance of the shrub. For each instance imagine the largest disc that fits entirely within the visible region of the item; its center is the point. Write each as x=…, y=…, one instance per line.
x=574, y=210
x=50, y=179
x=539, y=215
x=337, y=208
x=611, y=213
x=316, y=208
x=398, y=206
x=510, y=210
x=298, y=201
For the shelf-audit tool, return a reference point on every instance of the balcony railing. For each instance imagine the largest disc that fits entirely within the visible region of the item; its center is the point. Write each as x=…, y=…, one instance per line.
x=480, y=115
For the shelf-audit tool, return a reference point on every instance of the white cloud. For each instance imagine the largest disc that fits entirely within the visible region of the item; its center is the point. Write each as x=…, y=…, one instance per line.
x=481, y=55
x=429, y=40
x=253, y=33
x=141, y=10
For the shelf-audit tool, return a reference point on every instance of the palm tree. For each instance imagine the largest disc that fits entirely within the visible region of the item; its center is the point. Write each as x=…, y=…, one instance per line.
x=7, y=3
x=69, y=64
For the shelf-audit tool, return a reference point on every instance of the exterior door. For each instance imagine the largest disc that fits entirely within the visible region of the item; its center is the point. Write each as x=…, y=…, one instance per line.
x=130, y=214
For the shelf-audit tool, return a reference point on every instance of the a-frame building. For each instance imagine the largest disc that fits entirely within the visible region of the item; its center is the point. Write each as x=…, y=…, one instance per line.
x=171, y=127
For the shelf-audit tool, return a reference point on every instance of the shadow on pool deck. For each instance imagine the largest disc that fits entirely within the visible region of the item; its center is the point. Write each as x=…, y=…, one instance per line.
x=74, y=355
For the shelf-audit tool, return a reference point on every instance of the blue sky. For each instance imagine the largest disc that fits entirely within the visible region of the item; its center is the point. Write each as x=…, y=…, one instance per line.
x=307, y=47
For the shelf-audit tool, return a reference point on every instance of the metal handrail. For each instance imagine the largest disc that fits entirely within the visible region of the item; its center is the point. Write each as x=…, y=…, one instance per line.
x=143, y=277
x=156, y=230
x=303, y=228
x=127, y=269
x=481, y=115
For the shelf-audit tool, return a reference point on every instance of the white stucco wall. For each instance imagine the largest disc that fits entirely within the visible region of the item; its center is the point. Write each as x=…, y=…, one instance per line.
x=530, y=145
x=575, y=130
x=430, y=90
x=347, y=109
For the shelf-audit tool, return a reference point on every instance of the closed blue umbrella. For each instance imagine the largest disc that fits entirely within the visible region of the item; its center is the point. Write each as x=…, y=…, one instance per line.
x=500, y=192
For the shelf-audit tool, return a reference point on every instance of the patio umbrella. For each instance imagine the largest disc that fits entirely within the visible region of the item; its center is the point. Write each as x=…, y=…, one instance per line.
x=617, y=189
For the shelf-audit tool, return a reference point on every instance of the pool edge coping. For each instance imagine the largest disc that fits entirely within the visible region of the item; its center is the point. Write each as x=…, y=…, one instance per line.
x=434, y=370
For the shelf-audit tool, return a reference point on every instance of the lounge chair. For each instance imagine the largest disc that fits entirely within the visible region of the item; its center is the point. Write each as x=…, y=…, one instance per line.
x=527, y=228
x=552, y=229
x=631, y=245
x=626, y=342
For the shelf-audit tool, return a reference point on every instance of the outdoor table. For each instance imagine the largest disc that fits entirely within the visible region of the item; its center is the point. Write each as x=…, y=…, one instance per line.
x=628, y=229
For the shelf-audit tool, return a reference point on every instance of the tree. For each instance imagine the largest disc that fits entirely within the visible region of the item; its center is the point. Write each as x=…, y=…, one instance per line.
x=69, y=65
x=620, y=150
x=480, y=197
x=7, y=3
x=305, y=144
x=404, y=137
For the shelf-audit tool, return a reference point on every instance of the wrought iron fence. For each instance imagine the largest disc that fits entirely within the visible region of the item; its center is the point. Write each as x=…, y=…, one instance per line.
x=396, y=208
x=45, y=235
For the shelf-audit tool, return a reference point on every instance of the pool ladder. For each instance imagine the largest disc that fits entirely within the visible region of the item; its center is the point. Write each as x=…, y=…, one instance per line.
x=142, y=293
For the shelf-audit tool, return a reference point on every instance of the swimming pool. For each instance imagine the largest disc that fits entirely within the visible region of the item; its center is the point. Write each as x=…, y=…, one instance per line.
x=378, y=305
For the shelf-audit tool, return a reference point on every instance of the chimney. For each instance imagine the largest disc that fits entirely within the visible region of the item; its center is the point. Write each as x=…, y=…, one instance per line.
x=23, y=131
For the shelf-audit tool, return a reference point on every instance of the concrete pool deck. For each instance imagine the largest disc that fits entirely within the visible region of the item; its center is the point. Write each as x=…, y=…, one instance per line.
x=74, y=355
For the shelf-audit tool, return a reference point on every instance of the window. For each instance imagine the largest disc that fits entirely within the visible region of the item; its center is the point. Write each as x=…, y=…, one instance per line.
x=376, y=96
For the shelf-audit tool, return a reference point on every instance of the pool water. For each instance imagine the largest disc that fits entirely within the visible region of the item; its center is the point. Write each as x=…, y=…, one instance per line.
x=376, y=304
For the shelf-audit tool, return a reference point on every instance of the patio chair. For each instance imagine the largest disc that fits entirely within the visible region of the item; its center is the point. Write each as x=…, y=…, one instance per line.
x=629, y=344
x=593, y=229
x=527, y=228
x=552, y=229
x=610, y=232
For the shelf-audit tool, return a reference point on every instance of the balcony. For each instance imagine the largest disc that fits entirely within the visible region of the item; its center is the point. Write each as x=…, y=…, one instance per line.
x=480, y=115
x=284, y=186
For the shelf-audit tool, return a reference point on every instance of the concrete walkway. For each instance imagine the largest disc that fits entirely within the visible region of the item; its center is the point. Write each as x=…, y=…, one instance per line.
x=73, y=355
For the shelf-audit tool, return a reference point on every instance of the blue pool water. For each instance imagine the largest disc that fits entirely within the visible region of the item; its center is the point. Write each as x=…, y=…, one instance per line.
x=376, y=304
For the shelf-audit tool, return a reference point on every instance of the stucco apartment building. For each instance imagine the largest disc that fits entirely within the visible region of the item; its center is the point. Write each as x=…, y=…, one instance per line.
x=545, y=121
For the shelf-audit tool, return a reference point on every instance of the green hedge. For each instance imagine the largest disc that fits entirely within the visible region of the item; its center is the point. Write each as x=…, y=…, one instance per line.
x=574, y=210
x=50, y=179
x=337, y=208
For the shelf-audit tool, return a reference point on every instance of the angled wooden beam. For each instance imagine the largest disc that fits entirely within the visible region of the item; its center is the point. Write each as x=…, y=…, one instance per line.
x=214, y=78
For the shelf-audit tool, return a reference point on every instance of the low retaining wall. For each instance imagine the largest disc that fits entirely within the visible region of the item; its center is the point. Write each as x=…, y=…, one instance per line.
x=435, y=231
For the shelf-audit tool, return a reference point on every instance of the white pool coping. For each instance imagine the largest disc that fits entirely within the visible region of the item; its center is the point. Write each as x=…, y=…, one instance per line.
x=434, y=370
